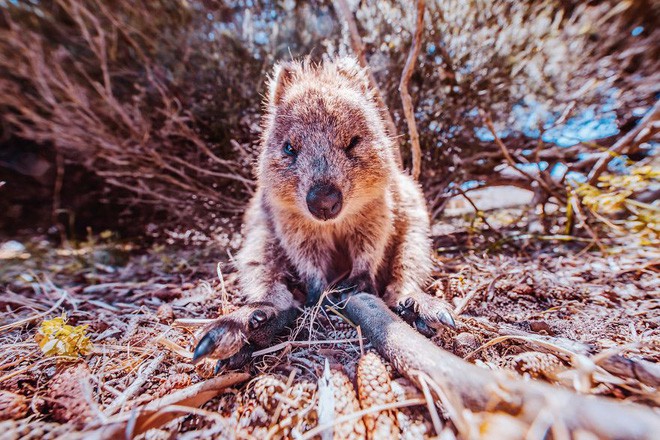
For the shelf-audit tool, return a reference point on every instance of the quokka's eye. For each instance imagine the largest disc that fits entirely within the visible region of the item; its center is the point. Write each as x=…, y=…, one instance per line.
x=354, y=141
x=288, y=149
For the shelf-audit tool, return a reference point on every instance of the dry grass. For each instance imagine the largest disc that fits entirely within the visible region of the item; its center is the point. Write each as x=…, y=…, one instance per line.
x=547, y=311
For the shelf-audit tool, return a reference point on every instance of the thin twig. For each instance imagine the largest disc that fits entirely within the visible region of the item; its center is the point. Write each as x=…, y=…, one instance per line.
x=478, y=212
x=583, y=219
x=285, y=344
x=225, y=296
x=34, y=317
x=430, y=403
x=466, y=300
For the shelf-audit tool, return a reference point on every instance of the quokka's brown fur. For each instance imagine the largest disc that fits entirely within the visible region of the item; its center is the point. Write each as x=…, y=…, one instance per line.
x=323, y=127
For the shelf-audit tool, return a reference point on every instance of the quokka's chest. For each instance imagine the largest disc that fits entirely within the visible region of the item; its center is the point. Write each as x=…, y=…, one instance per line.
x=328, y=254
x=338, y=262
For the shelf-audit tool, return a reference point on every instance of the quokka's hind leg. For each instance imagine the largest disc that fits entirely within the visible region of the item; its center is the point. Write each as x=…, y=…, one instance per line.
x=232, y=338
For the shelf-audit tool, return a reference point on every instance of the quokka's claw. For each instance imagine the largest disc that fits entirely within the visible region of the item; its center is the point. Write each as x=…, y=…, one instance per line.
x=445, y=317
x=219, y=366
x=409, y=303
x=257, y=319
x=436, y=313
x=224, y=338
x=425, y=313
x=204, y=347
x=406, y=310
x=424, y=328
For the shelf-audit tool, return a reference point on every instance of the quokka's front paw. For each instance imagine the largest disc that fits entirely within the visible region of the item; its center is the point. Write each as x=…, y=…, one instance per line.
x=233, y=337
x=425, y=312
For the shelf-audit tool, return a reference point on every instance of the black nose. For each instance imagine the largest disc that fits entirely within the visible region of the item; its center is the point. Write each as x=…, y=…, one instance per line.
x=324, y=201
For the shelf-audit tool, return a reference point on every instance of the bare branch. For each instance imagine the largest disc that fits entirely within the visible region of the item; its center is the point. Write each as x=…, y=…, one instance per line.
x=511, y=161
x=358, y=47
x=643, y=131
x=408, y=109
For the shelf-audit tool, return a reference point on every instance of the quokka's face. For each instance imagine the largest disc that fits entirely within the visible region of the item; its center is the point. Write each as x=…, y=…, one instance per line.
x=325, y=154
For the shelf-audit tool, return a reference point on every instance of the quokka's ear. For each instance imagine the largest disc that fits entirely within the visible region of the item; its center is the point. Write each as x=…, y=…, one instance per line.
x=350, y=68
x=283, y=76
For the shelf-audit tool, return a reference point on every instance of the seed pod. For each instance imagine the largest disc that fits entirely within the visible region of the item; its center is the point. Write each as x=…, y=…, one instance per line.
x=300, y=397
x=413, y=426
x=338, y=323
x=348, y=333
x=251, y=415
x=404, y=389
x=375, y=388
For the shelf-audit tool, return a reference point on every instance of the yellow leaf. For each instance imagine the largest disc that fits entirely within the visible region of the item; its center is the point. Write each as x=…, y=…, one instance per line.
x=57, y=338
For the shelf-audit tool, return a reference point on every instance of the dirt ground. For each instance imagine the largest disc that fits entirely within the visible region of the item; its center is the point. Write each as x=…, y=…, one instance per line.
x=542, y=307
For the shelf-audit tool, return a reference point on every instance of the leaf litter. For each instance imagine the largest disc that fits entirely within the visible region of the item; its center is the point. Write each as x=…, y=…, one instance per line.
x=96, y=341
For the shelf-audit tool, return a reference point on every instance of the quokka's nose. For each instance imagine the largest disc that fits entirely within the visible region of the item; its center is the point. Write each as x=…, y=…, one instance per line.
x=324, y=201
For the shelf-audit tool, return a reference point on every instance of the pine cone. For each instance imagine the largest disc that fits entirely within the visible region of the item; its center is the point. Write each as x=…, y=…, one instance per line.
x=339, y=323
x=173, y=382
x=347, y=333
x=536, y=364
x=295, y=413
x=411, y=421
x=12, y=406
x=346, y=402
x=300, y=397
x=375, y=388
x=265, y=388
x=413, y=426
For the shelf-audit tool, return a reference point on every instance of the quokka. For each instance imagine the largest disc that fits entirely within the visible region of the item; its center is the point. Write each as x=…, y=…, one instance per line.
x=332, y=210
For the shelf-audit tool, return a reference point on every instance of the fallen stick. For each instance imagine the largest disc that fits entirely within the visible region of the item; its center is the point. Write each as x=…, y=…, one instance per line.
x=646, y=372
x=160, y=411
x=479, y=389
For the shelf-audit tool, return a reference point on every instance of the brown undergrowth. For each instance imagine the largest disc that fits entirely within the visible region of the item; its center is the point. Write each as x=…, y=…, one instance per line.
x=543, y=308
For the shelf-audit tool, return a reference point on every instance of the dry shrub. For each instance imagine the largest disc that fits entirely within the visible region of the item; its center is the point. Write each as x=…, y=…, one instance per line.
x=549, y=74
x=162, y=98
x=108, y=85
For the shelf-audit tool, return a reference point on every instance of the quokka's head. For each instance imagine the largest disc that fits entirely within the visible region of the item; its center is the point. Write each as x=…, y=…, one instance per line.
x=325, y=153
